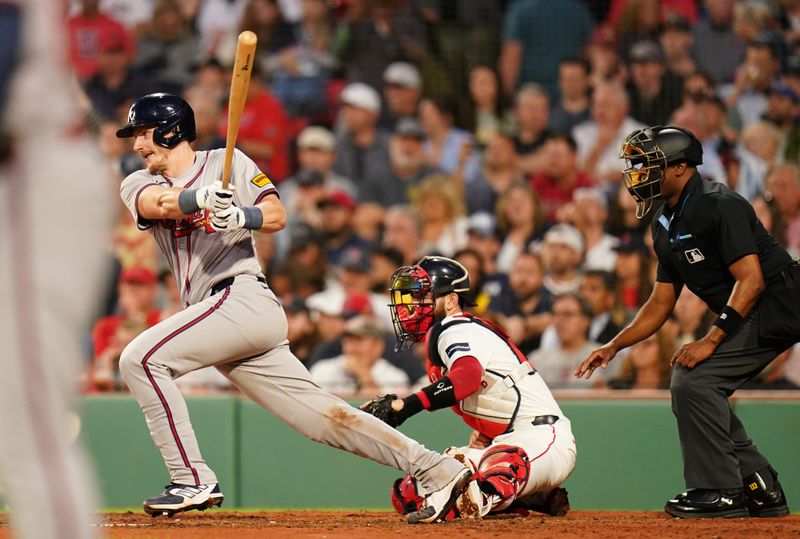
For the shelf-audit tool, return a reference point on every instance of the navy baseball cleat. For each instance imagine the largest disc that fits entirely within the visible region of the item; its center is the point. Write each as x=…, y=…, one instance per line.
x=177, y=498
x=708, y=503
x=437, y=504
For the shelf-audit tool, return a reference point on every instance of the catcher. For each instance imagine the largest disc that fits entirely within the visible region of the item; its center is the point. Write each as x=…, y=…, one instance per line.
x=522, y=446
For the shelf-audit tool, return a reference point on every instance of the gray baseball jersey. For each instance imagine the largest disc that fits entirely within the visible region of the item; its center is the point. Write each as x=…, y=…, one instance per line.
x=241, y=330
x=201, y=259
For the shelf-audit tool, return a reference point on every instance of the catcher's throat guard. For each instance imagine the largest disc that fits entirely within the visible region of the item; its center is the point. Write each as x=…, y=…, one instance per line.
x=412, y=305
x=644, y=169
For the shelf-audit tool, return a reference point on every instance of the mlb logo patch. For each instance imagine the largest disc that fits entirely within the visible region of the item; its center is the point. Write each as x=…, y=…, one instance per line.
x=457, y=347
x=694, y=256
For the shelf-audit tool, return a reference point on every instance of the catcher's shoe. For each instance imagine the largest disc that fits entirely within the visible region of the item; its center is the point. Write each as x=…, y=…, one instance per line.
x=438, y=504
x=553, y=502
x=177, y=498
x=708, y=503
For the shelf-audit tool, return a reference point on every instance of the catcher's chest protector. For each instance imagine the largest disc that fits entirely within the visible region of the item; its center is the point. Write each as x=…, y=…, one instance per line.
x=492, y=409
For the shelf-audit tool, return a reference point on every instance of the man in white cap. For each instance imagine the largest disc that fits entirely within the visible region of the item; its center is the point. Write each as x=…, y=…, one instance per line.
x=402, y=91
x=563, y=253
x=362, y=149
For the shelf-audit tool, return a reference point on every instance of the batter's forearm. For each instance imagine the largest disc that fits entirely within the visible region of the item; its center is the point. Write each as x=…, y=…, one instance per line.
x=273, y=213
x=157, y=203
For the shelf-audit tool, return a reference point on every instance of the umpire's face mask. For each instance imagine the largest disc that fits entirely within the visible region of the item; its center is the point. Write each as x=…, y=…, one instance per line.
x=644, y=170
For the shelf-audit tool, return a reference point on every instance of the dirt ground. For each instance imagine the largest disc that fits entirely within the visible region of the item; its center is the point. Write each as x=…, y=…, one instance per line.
x=320, y=524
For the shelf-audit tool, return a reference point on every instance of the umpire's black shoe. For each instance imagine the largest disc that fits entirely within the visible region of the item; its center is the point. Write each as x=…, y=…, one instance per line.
x=708, y=503
x=177, y=498
x=764, y=494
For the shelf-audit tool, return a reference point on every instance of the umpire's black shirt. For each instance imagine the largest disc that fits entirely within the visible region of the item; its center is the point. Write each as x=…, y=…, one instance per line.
x=710, y=228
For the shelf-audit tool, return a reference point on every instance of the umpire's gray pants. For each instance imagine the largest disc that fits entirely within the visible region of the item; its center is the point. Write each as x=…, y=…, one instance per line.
x=716, y=450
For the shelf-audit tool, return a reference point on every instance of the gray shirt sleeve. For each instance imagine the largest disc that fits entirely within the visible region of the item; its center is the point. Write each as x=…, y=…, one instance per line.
x=130, y=189
x=252, y=185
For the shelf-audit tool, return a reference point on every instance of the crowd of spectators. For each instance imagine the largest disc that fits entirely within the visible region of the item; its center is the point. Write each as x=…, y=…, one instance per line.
x=484, y=130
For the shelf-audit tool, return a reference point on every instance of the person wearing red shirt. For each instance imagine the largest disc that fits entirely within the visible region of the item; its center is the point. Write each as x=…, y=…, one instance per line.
x=86, y=31
x=264, y=130
x=137, y=312
x=556, y=185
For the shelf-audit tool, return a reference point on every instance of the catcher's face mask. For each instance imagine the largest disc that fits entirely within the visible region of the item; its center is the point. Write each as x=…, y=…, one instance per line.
x=412, y=305
x=644, y=169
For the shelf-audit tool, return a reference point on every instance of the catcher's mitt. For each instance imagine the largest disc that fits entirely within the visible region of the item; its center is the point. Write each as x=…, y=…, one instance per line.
x=381, y=407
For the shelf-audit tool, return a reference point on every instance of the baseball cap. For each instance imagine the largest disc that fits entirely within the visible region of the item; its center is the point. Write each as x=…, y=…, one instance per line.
x=111, y=42
x=402, y=74
x=482, y=224
x=362, y=326
x=338, y=198
x=356, y=304
x=308, y=178
x=631, y=243
x=357, y=260
x=590, y=193
x=297, y=305
x=409, y=127
x=565, y=235
x=315, y=137
x=361, y=96
x=301, y=236
x=138, y=275
x=646, y=51
x=676, y=21
x=784, y=90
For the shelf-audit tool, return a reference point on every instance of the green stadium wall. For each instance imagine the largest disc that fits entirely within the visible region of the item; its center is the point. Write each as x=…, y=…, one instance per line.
x=628, y=453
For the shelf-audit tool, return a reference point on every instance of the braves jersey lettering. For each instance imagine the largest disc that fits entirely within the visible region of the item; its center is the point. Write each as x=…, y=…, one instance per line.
x=184, y=227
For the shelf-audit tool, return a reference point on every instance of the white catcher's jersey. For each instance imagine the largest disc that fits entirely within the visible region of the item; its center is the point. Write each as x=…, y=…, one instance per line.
x=511, y=393
x=198, y=256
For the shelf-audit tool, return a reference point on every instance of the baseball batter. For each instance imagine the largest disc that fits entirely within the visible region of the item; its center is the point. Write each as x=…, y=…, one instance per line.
x=232, y=320
x=522, y=442
x=55, y=215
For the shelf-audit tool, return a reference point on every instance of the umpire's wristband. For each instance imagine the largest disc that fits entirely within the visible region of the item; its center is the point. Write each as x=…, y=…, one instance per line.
x=729, y=320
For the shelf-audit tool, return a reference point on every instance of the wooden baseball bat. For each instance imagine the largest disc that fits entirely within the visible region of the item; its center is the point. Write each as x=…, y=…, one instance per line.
x=242, y=68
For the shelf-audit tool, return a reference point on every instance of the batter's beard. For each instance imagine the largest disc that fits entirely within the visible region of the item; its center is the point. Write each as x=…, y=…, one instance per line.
x=157, y=165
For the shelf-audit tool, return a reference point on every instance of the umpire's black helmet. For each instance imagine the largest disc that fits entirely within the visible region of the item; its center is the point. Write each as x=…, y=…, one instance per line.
x=171, y=116
x=647, y=152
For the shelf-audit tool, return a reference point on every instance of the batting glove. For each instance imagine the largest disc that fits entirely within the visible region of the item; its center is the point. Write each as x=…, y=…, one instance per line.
x=213, y=197
x=231, y=218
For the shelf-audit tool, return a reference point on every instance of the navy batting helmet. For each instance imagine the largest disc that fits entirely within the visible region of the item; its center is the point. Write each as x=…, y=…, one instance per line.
x=171, y=116
x=647, y=152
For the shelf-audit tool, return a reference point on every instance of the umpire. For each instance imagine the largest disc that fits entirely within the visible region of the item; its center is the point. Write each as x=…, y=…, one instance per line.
x=708, y=238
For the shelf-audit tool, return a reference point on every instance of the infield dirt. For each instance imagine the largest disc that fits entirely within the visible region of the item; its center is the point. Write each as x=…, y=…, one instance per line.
x=335, y=524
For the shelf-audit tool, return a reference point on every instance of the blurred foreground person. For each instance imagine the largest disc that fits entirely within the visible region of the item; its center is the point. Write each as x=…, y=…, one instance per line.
x=55, y=214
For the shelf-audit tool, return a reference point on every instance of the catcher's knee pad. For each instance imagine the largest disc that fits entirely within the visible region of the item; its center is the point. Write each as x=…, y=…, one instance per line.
x=405, y=497
x=503, y=471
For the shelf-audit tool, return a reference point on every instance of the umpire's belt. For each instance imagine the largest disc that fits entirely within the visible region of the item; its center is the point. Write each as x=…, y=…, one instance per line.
x=225, y=283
